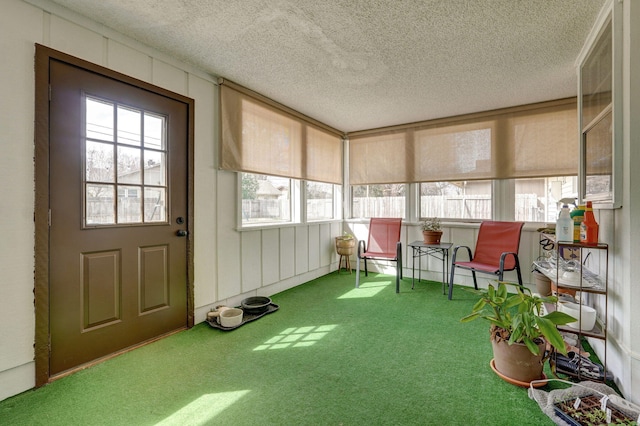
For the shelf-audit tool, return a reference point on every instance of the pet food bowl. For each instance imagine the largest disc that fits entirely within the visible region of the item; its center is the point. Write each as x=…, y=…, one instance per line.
x=256, y=304
x=231, y=317
x=584, y=323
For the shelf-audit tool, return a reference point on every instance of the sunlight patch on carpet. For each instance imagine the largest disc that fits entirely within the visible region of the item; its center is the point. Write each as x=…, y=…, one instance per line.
x=297, y=337
x=368, y=289
x=204, y=409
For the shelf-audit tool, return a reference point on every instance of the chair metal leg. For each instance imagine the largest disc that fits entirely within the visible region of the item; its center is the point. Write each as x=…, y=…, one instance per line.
x=399, y=258
x=519, y=277
x=357, y=271
x=518, y=272
x=475, y=281
x=450, y=283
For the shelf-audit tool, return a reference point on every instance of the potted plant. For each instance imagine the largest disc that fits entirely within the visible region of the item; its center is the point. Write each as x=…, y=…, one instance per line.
x=518, y=331
x=345, y=244
x=431, y=230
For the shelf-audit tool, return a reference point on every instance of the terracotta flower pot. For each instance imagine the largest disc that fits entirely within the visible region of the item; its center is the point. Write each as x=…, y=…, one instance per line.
x=517, y=362
x=431, y=237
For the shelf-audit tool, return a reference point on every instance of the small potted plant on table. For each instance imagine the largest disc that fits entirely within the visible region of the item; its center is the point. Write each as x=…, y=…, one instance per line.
x=431, y=230
x=519, y=333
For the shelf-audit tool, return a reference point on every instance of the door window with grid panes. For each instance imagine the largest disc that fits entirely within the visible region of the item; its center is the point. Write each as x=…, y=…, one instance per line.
x=125, y=180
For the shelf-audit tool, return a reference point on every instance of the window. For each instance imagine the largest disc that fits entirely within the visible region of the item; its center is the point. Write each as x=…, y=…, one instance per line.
x=600, y=92
x=538, y=200
x=321, y=201
x=386, y=200
x=263, y=137
x=456, y=200
x=265, y=199
x=269, y=200
x=125, y=179
x=453, y=165
x=598, y=158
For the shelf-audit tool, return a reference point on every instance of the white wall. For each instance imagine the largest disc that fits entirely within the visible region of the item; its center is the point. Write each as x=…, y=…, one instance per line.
x=620, y=228
x=229, y=265
x=20, y=26
x=626, y=226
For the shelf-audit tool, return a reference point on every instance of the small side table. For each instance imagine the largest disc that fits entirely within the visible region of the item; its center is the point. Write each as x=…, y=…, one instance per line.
x=438, y=251
x=347, y=262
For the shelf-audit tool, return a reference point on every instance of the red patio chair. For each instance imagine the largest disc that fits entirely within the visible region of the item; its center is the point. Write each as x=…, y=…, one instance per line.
x=496, y=252
x=383, y=244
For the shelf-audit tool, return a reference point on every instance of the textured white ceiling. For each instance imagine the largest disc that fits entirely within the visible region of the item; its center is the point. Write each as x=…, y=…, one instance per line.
x=361, y=64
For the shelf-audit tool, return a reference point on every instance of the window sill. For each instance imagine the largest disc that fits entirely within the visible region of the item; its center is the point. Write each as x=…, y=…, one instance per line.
x=260, y=227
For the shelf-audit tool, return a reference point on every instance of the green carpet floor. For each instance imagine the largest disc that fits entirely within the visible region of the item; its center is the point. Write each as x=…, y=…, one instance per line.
x=331, y=355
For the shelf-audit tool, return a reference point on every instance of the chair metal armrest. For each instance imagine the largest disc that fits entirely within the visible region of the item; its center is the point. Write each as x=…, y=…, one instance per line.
x=362, y=247
x=503, y=257
x=455, y=253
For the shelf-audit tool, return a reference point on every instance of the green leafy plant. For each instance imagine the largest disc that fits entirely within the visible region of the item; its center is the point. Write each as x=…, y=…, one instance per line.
x=431, y=224
x=346, y=236
x=250, y=186
x=517, y=317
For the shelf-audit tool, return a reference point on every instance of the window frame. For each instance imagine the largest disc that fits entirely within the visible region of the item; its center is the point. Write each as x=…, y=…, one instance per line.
x=297, y=205
x=294, y=191
x=609, y=24
x=503, y=196
x=336, y=198
x=114, y=143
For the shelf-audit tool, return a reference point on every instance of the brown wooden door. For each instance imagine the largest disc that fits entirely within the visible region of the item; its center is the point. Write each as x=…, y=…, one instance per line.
x=118, y=207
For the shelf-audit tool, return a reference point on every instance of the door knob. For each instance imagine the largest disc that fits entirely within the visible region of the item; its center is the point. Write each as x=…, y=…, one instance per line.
x=182, y=233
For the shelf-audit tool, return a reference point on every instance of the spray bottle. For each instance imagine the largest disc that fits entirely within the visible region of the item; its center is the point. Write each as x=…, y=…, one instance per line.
x=577, y=215
x=589, y=227
x=564, y=226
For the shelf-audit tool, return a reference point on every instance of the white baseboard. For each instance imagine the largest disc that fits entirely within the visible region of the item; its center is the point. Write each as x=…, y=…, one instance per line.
x=17, y=380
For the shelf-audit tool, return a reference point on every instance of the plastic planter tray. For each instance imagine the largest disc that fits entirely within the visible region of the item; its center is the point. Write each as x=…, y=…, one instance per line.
x=589, y=412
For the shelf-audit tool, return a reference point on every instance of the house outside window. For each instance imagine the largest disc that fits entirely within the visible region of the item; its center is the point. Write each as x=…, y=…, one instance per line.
x=125, y=178
x=265, y=199
x=538, y=199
